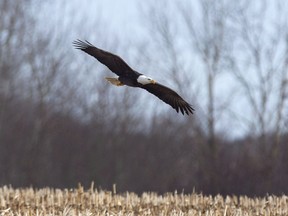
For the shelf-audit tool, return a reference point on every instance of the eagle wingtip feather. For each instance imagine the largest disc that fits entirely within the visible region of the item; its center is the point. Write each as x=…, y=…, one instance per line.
x=82, y=45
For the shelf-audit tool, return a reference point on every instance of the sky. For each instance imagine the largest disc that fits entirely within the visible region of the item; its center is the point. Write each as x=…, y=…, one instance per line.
x=121, y=14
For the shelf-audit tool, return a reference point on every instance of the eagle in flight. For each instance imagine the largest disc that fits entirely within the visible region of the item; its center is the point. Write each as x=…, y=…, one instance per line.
x=128, y=76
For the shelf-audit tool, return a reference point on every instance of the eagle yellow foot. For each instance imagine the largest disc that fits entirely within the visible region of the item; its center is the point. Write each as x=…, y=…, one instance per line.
x=114, y=81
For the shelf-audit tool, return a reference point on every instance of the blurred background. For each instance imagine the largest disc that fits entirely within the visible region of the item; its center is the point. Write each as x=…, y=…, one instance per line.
x=61, y=123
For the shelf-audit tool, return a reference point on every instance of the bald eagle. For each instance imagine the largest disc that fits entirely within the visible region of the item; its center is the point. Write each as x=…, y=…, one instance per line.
x=128, y=76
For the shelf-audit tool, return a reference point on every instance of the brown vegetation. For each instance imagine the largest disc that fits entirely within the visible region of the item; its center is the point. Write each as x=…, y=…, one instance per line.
x=49, y=201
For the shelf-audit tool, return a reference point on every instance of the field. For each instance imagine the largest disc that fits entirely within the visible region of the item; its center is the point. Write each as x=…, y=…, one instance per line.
x=48, y=201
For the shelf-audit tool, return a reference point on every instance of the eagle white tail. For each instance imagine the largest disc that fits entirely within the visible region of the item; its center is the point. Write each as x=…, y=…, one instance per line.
x=114, y=81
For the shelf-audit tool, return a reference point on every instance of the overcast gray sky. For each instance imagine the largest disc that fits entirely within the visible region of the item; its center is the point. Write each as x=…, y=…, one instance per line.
x=122, y=18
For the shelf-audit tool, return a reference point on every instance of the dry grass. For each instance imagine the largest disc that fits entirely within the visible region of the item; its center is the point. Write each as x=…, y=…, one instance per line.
x=78, y=201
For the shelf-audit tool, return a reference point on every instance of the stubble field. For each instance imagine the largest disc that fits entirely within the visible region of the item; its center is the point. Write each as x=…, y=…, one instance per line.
x=48, y=201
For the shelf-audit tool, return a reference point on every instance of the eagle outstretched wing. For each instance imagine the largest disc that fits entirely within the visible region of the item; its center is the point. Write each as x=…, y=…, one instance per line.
x=170, y=97
x=115, y=63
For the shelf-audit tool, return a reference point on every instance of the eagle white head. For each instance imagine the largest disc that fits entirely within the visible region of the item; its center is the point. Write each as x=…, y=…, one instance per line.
x=145, y=80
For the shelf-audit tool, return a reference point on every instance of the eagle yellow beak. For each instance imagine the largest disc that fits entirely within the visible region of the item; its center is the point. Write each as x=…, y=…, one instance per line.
x=153, y=81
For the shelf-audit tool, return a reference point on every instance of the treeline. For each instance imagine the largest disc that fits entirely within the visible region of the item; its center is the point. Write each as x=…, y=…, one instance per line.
x=163, y=159
x=61, y=124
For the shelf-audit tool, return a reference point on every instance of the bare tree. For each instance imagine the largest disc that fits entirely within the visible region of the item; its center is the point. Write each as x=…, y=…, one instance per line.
x=210, y=38
x=262, y=53
x=187, y=35
x=11, y=31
